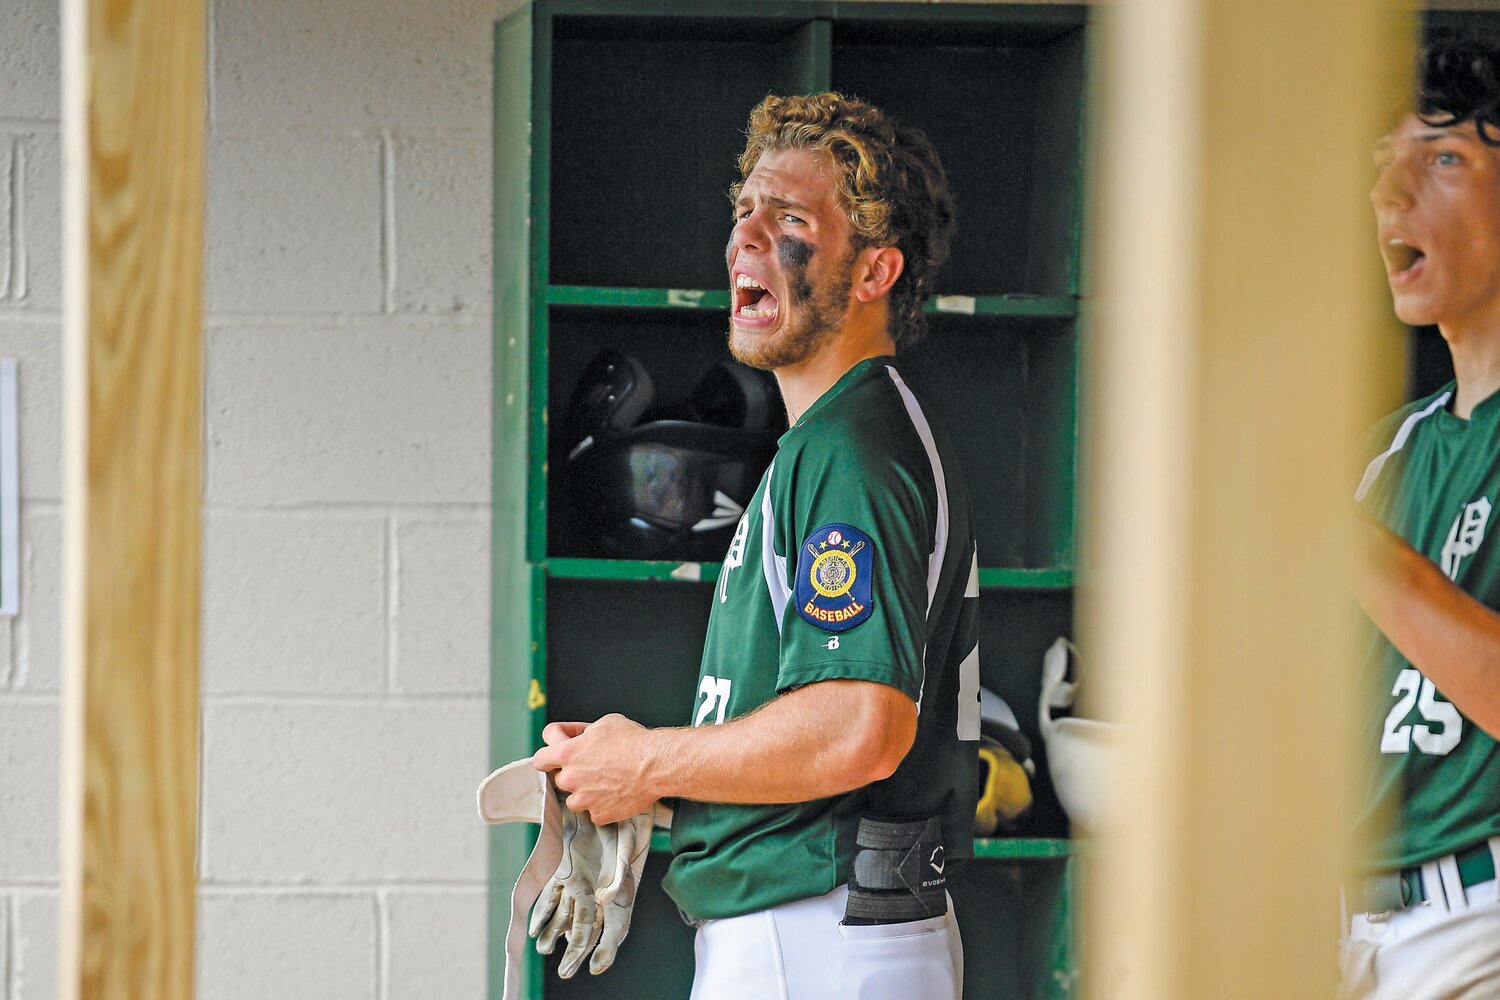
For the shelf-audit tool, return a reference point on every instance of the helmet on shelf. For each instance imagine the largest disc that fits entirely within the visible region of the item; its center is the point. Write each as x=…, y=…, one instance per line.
x=670, y=482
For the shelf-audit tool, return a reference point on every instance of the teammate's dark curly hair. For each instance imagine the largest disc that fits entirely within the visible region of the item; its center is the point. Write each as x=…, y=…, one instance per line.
x=1459, y=81
x=890, y=183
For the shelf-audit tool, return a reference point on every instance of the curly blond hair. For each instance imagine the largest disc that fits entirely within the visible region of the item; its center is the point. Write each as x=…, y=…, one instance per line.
x=890, y=181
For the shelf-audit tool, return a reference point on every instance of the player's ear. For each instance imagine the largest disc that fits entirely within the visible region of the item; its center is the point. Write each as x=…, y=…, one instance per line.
x=878, y=269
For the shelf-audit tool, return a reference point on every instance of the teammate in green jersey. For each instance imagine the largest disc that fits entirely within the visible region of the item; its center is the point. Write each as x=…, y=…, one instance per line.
x=1425, y=923
x=826, y=776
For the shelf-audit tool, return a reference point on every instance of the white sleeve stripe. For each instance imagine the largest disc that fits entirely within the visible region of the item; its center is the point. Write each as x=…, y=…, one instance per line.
x=771, y=566
x=940, y=529
x=968, y=671
x=1372, y=471
x=940, y=526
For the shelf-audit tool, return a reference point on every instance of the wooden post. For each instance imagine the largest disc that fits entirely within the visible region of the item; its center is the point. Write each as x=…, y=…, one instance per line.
x=133, y=234
x=1240, y=314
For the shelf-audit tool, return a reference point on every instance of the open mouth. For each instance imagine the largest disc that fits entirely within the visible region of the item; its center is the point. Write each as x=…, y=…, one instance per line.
x=751, y=299
x=1401, y=257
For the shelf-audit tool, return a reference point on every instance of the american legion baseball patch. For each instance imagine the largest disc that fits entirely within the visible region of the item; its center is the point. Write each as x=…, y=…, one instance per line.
x=834, y=569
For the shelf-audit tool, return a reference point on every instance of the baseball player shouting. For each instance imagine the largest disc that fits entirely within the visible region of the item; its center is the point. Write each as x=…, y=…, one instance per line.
x=826, y=779
x=1425, y=923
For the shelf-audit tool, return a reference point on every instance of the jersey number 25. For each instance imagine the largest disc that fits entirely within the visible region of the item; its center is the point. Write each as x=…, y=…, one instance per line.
x=1415, y=689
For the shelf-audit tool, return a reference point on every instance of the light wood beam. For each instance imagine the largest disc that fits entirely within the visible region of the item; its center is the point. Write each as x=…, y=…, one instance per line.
x=133, y=203
x=1239, y=326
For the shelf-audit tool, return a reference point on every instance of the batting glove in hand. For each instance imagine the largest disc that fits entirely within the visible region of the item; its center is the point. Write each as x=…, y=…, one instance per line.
x=592, y=893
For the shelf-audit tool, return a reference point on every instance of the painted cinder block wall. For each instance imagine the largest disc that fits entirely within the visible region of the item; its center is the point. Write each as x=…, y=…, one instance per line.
x=346, y=499
x=346, y=519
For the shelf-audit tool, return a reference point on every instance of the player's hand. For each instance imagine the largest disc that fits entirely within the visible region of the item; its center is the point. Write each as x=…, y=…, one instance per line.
x=602, y=765
x=557, y=732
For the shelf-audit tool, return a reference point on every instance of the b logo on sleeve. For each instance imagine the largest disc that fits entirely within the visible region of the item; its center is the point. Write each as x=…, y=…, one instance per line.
x=834, y=568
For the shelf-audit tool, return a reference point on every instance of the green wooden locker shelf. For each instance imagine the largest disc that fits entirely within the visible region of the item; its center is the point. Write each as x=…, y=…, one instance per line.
x=1013, y=304
x=602, y=239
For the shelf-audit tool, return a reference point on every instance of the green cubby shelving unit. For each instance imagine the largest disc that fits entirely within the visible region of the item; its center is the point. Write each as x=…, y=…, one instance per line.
x=617, y=128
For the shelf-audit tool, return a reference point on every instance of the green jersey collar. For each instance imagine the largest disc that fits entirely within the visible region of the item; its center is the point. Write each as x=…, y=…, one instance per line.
x=847, y=379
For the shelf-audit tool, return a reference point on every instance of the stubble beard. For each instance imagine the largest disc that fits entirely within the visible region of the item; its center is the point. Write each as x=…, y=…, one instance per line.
x=820, y=313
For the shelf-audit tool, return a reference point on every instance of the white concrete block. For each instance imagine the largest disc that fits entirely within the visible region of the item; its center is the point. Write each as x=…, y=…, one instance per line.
x=442, y=606
x=30, y=64
x=310, y=793
x=8, y=156
x=442, y=224
x=298, y=947
x=379, y=62
x=29, y=776
x=293, y=604
x=437, y=945
x=41, y=224
x=294, y=221
x=385, y=415
x=36, y=947
x=5, y=947
x=7, y=655
x=37, y=348
x=39, y=625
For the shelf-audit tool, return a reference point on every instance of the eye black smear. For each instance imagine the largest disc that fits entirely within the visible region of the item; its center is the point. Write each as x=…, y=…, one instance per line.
x=795, y=255
x=793, y=252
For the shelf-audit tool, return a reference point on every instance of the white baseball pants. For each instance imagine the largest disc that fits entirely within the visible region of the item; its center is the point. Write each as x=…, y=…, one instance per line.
x=1447, y=948
x=800, y=951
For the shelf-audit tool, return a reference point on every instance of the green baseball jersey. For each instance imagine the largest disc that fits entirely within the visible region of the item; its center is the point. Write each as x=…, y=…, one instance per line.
x=855, y=559
x=1434, y=782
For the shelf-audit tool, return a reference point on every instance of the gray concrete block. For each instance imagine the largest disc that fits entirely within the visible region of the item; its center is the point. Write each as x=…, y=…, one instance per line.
x=294, y=604
x=36, y=947
x=37, y=348
x=381, y=62
x=385, y=415
x=29, y=775
x=30, y=61
x=294, y=222
x=437, y=945
x=442, y=606
x=295, y=946
x=41, y=223
x=360, y=792
x=442, y=224
x=38, y=637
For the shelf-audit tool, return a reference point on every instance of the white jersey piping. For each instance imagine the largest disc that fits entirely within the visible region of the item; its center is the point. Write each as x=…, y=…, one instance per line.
x=940, y=526
x=1372, y=471
x=770, y=564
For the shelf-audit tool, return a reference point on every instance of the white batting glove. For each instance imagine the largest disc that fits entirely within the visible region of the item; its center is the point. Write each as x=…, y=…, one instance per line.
x=591, y=896
x=624, y=848
x=569, y=907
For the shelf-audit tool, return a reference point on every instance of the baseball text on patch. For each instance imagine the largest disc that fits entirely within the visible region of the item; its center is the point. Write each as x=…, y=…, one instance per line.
x=834, y=568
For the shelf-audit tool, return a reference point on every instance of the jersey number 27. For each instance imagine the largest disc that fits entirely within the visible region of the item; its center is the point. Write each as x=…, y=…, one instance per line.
x=715, y=694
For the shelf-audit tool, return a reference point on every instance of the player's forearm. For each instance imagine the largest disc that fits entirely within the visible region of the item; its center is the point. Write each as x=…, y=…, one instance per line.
x=820, y=740
x=1450, y=637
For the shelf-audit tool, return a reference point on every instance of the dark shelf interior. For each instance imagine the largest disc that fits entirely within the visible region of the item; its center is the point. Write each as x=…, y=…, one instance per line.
x=646, y=134
x=1005, y=122
x=1003, y=390
x=624, y=646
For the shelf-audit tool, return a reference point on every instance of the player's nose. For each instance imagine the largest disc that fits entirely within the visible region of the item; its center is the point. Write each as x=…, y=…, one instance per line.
x=1392, y=187
x=750, y=232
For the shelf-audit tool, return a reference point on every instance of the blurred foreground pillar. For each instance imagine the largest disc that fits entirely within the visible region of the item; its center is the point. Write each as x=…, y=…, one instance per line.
x=1237, y=322
x=133, y=235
